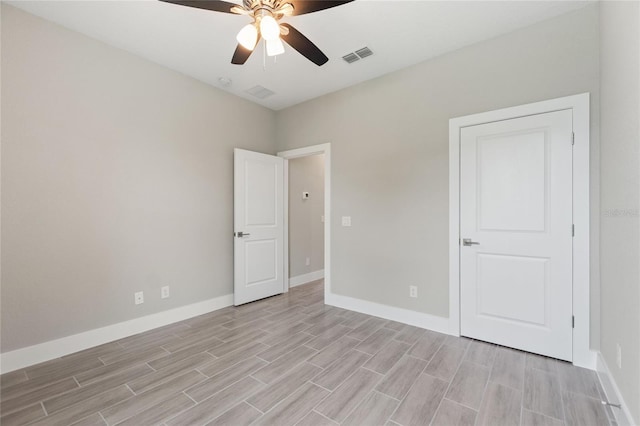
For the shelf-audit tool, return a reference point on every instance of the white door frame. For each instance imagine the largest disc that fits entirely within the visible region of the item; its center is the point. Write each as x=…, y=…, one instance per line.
x=583, y=356
x=305, y=152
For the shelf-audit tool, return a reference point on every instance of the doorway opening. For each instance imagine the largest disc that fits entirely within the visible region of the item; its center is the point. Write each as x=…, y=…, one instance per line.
x=306, y=220
x=307, y=217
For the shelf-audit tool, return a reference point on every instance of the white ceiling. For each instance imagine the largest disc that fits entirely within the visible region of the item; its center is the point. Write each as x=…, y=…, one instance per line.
x=200, y=43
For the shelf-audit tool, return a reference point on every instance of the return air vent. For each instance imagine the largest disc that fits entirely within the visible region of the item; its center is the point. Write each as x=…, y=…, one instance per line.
x=260, y=92
x=364, y=52
x=357, y=55
x=351, y=57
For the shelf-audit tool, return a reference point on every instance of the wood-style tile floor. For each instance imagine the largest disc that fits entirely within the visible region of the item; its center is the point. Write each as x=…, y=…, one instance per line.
x=291, y=360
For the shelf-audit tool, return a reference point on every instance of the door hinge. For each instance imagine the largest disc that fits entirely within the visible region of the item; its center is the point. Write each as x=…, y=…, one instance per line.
x=573, y=138
x=573, y=230
x=573, y=321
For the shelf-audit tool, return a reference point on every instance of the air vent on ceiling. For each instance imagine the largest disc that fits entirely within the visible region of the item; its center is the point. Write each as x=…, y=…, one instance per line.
x=364, y=52
x=260, y=92
x=357, y=55
x=351, y=57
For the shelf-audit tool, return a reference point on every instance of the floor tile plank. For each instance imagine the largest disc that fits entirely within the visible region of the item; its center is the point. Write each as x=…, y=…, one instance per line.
x=23, y=416
x=293, y=408
x=427, y=345
x=283, y=387
x=156, y=378
x=367, y=328
x=349, y=395
x=422, y=401
x=581, y=410
x=315, y=419
x=399, y=380
x=337, y=349
x=280, y=366
x=542, y=393
x=501, y=406
x=508, y=368
x=374, y=410
x=450, y=413
x=467, y=386
x=340, y=370
x=139, y=403
x=481, y=353
x=277, y=351
x=77, y=395
x=88, y=407
x=157, y=413
x=224, y=379
x=218, y=403
x=241, y=415
x=387, y=357
x=376, y=341
x=37, y=395
x=445, y=362
x=578, y=380
x=529, y=418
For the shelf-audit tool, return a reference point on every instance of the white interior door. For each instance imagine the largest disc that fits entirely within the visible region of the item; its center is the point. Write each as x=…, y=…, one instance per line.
x=516, y=213
x=258, y=226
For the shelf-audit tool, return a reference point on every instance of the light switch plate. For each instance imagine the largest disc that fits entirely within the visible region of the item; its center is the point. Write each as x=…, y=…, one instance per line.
x=346, y=220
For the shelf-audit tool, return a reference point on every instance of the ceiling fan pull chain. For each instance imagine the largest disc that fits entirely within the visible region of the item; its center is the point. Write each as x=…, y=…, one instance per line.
x=264, y=56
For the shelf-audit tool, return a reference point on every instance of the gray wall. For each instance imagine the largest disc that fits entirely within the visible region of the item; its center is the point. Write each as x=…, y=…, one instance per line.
x=389, y=151
x=306, y=229
x=116, y=177
x=620, y=219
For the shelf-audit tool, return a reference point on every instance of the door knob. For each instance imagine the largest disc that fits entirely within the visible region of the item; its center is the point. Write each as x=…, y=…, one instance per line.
x=468, y=242
x=241, y=234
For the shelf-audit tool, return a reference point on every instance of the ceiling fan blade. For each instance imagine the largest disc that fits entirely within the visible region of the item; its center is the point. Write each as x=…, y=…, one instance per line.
x=214, y=5
x=300, y=7
x=241, y=54
x=303, y=45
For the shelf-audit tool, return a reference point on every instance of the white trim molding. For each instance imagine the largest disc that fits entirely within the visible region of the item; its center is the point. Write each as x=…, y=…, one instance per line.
x=583, y=356
x=612, y=392
x=35, y=354
x=406, y=316
x=306, y=278
x=325, y=149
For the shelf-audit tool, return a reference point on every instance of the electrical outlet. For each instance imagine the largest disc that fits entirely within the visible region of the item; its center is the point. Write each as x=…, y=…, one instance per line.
x=413, y=291
x=307, y=262
x=164, y=292
x=138, y=297
x=346, y=220
x=619, y=355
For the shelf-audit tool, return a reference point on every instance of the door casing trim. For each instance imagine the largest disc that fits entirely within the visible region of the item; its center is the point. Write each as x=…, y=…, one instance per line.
x=325, y=149
x=583, y=356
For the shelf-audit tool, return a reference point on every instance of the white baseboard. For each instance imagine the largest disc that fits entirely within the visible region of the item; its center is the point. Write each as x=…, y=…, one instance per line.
x=35, y=354
x=612, y=392
x=306, y=278
x=418, y=319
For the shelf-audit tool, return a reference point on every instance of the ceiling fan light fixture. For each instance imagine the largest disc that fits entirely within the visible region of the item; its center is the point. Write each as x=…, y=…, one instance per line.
x=248, y=36
x=286, y=9
x=275, y=47
x=269, y=28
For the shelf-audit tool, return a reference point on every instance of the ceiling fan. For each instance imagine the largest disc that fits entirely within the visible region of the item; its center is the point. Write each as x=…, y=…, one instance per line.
x=266, y=15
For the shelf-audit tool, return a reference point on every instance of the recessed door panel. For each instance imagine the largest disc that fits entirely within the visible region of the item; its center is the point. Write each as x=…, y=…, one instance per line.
x=512, y=288
x=512, y=176
x=261, y=261
x=261, y=179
